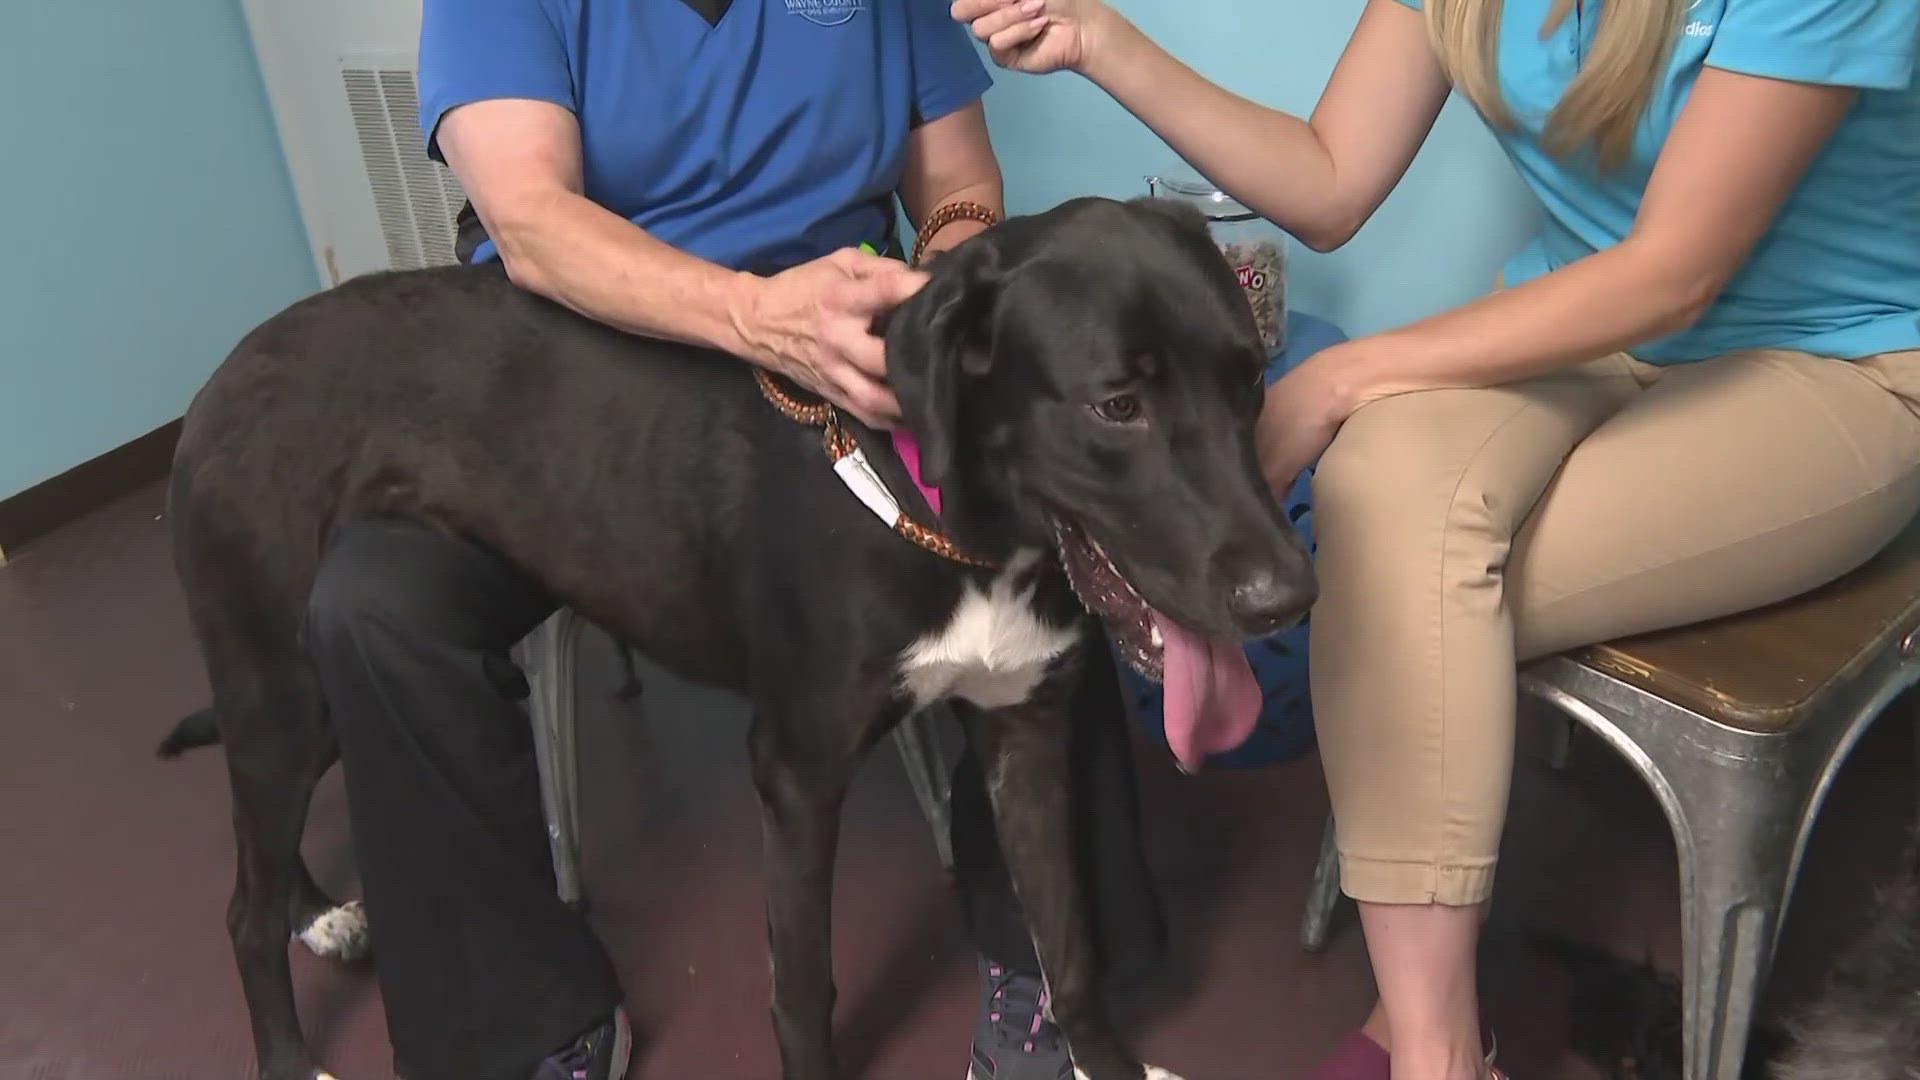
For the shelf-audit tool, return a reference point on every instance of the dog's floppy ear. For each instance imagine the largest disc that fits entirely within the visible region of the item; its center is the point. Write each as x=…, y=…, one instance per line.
x=939, y=337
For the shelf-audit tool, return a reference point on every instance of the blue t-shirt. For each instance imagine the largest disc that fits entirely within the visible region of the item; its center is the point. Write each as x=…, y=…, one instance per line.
x=1838, y=274
x=775, y=136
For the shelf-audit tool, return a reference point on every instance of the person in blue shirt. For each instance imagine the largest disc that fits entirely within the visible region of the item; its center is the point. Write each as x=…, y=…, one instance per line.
x=1695, y=392
x=695, y=170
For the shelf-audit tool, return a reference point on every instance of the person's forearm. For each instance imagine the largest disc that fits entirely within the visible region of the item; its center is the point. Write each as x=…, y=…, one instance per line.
x=1607, y=302
x=986, y=193
x=950, y=160
x=1271, y=161
x=578, y=254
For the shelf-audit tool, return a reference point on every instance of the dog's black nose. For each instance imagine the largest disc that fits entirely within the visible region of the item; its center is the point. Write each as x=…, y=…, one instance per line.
x=1266, y=597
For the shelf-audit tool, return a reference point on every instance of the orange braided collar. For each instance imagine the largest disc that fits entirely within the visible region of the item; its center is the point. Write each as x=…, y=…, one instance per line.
x=850, y=462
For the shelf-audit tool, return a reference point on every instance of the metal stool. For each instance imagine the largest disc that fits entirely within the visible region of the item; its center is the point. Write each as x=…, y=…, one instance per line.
x=548, y=656
x=1739, y=726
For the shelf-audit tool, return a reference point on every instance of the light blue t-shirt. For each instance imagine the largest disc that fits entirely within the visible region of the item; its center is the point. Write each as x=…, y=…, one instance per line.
x=1839, y=272
x=770, y=136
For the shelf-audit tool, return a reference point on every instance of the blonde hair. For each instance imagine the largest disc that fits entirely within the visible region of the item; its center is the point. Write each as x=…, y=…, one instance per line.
x=1603, y=106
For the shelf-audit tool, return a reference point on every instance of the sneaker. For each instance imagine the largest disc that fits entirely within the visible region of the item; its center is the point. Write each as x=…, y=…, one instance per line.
x=600, y=1054
x=1012, y=1037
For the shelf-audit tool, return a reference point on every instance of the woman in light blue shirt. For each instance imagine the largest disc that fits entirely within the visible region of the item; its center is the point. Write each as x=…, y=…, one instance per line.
x=1696, y=392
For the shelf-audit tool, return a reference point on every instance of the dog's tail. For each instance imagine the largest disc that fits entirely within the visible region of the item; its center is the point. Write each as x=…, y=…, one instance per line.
x=192, y=733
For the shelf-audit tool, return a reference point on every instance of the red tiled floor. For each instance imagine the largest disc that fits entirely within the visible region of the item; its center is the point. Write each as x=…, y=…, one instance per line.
x=113, y=954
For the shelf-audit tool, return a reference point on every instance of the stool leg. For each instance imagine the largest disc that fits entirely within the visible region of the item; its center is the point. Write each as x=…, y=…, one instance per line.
x=1560, y=744
x=1559, y=731
x=1736, y=876
x=1741, y=807
x=1324, y=894
x=631, y=687
x=551, y=651
x=930, y=773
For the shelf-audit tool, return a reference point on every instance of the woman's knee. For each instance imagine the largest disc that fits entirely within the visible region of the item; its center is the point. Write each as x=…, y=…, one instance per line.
x=354, y=600
x=378, y=578
x=1399, y=468
x=1455, y=467
x=401, y=579
x=393, y=606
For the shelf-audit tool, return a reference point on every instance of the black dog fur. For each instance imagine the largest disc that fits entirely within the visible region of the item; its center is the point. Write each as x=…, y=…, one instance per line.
x=1866, y=1025
x=1624, y=1017
x=649, y=486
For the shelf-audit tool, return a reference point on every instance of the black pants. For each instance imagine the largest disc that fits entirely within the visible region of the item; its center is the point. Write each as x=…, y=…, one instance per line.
x=483, y=970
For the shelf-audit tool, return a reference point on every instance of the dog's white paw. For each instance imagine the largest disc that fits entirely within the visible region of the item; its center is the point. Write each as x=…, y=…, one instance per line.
x=1154, y=1072
x=338, y=933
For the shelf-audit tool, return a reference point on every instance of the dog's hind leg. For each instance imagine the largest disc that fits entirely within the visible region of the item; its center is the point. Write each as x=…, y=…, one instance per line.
x=802, y=765
x=277, y=748
x=1024, y=750
x=273, y=725
x=245, y=592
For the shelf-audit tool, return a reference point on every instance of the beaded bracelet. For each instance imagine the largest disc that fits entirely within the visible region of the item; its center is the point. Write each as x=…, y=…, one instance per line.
x=946, y=216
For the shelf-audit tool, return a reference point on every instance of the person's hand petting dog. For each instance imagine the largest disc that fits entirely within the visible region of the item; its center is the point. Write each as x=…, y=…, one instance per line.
x=1305, y=408
x=814, y=325
x=1303, y=412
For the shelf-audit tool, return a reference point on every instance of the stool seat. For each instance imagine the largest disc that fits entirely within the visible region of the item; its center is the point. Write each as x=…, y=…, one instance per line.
x=1765, y=671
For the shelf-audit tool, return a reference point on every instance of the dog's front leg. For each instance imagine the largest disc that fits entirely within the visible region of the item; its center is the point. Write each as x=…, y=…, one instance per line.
x=801, y=784
x=1024, y=751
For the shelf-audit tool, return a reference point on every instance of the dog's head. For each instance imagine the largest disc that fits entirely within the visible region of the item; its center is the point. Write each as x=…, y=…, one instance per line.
x=1095, y=373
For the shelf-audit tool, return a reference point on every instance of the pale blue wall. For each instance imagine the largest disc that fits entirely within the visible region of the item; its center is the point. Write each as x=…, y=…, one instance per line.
x=1440, y=238
x=149, y=221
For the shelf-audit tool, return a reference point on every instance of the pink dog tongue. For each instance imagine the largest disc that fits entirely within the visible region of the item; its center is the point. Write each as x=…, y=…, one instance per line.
x=1210, y=699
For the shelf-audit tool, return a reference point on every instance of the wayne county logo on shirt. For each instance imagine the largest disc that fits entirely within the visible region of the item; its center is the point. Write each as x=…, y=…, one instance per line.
x=826, y=12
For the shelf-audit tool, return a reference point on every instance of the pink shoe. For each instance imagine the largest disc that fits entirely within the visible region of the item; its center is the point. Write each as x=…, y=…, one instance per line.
x=1358, y=1057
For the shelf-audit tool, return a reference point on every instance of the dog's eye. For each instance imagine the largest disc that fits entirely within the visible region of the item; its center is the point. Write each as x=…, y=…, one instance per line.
x=1119, y=409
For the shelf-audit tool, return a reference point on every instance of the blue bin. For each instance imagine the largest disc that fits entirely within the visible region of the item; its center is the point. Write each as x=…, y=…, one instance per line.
x=1285, y=729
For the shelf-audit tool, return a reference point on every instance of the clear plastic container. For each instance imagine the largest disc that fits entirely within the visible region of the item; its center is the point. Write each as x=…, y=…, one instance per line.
x=1255, y=248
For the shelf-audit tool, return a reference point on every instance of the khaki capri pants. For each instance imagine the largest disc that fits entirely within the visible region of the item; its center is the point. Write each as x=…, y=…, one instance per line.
x=1461, y=532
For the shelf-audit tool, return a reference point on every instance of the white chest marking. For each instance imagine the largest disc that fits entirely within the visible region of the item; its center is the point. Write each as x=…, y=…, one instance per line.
x=993, y=650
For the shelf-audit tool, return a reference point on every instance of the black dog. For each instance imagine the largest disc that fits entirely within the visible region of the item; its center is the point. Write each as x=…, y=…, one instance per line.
x=1083, y=384
x=1865, y=1025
